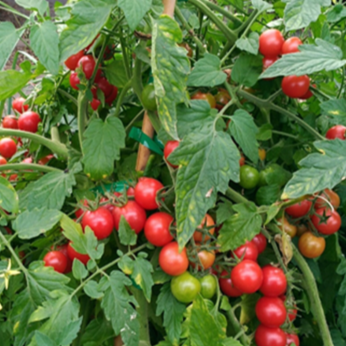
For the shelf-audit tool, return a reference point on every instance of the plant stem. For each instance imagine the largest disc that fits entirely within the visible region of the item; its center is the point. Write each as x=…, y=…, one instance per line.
x=55, y=147
x=67, y=95
x=55, y=134
x=137, y=78
x=245, y=341
x=29, y=167
x=226, y=13
x=248, y=23
x=125, y=57
x=81, y=116
x=12, y=10
x=121, y=97
x=236, y=196
x=284, y=134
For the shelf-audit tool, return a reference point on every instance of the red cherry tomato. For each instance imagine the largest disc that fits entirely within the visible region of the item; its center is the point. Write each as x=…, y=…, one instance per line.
x=169, y=148
x=291, y=312
x=171, y=261
x=266, y=336
x=133, y=213
x=88, y=64
x=274, y=281
x=10, y=122
x=291, y=45
x=44, y=160
x=270, y=43
x=8, y=147
x=299, y=209
x=248, y=251
x=206, y=97
x=72, y=62
x=57, y=260
x=329, y=195
x=260, y=241
x=95, y=103
x=294, y=86
x=247, y=276
x=146, y=191
x=325, y=220
x=113, y=96
x=156, y=229
x=268, y=61
x=19, y=106
x=292, y=339
x=63, y=250
x=72, y=253
x=100, y=221
x=3, y=161
x=337, y=131
x=242, y=160
x=105, y=86
x=74, y=80
x=227, y=287
x=271, y=311
x=29, y=121
x=307, y=95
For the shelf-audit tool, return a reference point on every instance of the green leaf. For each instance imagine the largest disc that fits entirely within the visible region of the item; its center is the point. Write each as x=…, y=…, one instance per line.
x=249, y=44
x=337, y=13
x=240, y=227
x=267, y=195
x=207, y=72
x=11, y=82
x=142, y=275
x=44, y=41
x=334, y=108
x=32, y=223
x=300, y=13
x=92, y=289
x=244, y=130
x=170, y=68
x=311, y=58
x=126, y=264
x=230, y=342
x=134, y=11
x=50, y=190
x=8, y=40
x=89, y=16
x=265, y=132
x=97, y=332
x=261, y=5
x=127, y=235
x=116, y=73
x=37, y=5
x=224, y=210
x=43, y=340
x=8, y=196
x=102, y=144
x=208, y=160
x=118, y=308
x=247, y=307
x=319, y=170
x=247, y=69
x=78, y=269
x=173, y=313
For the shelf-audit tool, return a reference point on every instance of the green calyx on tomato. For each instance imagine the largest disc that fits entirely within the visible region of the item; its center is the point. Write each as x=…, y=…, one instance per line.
x=249, y=177
x=185, y=287
x=148, y=98
x=208, y=286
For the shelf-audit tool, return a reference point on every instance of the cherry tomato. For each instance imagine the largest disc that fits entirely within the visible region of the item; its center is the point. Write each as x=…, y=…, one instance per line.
x=8, y=147
x=88, y=64
x=266, y=336
x=206, y=258
x=72, y=253
x=146, y=193
x=113, y=96
x=227, y=286
x=72, y=62
x=133, y=213
x=63, y=250
x=74, y=80
x=249, y=177
x=325, y=220
x=262, y=154
x=260, y=241
x=329, y=195
x=301, y=229
x=242, y=160
x=100, y=221
x=44, y=160
x=105, y=86
x=299, y=209
x=307, y=95
x=337, y=131
x=208, y=286
x=57, y=260
x=271, y=311
x=29, y=121
x=206, y=97
x=222, y=98
x=156, y=229
x=287, y=227
x=291, y=312
x=148, y=98
x=292, y=339
x=207, y=222
x=10, y=122
x=311, y=246
x=248, y=251
x=185, y=287
x=291, y=45
x=95, y=103
x=169, y=148
x=247, y=276
x=294, y=86
x=172, y=261
x=274, y=281
x=268, y=61
x=3, y=161
x=270, y=43
x=19, y=106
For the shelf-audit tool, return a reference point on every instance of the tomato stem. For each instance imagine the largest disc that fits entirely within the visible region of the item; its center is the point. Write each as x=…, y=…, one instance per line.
x=28, y=167
x=121, y=97
x=245, y=340
x=226, y=13
x=235, y=196
x=81, y=116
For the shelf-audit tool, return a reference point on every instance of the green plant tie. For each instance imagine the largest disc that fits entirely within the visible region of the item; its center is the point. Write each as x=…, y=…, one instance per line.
x=153, y=144
x=118, y=186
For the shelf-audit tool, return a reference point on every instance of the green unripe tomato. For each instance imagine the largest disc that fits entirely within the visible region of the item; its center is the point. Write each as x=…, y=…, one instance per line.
x=249, y=177
x=185, y=287
x=148, y=98
x=208, y=286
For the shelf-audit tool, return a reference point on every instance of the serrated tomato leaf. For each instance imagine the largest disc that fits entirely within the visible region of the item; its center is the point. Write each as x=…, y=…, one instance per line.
x=39, y=5
x=127, y=235
x=134, y=11
x=11, y=82
x=8, y=40
x=8, y=196
x=261, y=5
x=102, y=143
x=247, y=69
x=240, y=227
x=249, y=44
x=207, y=72
x=170, y=67
x=336, y=13
x=142, y=275
x=334, y=108
x=319, y=170
x=312, y=58
x=208, y=160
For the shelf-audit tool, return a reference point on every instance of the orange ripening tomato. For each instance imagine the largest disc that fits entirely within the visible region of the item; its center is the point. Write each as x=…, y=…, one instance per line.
x=207, y=221
x=325, y=197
